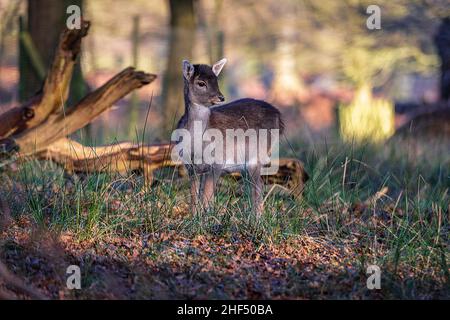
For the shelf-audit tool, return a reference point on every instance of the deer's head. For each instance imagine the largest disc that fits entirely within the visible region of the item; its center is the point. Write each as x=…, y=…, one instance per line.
x=201, y=83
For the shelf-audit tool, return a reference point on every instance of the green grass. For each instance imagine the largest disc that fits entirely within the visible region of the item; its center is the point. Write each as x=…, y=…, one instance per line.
x=405, y=226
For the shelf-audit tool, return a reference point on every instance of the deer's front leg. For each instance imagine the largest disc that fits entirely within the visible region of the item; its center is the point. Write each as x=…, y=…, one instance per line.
x=209, y=181
x=194, y=190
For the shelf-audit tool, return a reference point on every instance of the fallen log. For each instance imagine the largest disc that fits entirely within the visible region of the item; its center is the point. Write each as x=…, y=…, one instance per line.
x=62, y=124
x=126, y=157
x=291, y=174
x=121, y=157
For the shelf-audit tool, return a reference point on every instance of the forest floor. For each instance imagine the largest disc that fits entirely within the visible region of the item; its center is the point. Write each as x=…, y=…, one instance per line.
x=360, y=208
x=168, y=266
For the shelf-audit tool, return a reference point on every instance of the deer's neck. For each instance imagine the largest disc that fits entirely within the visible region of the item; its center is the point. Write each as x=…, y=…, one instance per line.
x=195, y=111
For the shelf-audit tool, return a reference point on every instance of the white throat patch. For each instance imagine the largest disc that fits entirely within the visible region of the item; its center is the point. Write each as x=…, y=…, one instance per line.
x=200, y=112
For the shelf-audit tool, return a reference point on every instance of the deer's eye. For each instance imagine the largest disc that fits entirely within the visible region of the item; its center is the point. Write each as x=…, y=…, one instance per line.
x=201, y=84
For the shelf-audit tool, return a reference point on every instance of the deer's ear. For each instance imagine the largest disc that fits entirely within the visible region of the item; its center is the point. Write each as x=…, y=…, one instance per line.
x=188, y=69
x=218, y=66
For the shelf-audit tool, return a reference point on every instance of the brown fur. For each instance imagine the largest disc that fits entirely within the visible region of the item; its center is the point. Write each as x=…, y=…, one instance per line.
x=240, y=114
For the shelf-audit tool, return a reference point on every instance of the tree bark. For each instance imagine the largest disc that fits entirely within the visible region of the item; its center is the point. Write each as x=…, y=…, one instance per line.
x=121, y=157
x=63, y=123
x=55, y=90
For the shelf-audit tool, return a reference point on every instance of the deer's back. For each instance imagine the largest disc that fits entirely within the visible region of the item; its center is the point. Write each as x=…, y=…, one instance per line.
x=246, y=114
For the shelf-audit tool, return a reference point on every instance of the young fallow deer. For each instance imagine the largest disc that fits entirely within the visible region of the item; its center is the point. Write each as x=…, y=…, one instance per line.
x=202, y=96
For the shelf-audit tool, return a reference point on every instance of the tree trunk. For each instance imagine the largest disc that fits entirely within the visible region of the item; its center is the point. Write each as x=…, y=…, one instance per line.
x=46, y=19
x=442, y=41
x=134, y=105
x=182, y=37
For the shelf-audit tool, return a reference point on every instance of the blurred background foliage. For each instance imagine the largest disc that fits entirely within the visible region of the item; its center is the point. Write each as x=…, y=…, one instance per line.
x=367, y=119
x=307, y=57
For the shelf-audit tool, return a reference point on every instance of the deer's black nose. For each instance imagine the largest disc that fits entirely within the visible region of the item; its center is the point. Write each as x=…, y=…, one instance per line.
x=221, y=98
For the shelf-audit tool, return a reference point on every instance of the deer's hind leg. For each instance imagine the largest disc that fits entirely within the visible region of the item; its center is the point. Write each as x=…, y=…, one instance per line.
x=257, y=186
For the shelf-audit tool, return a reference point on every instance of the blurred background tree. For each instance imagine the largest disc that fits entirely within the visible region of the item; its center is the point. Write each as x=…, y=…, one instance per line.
x=442, y=41
x=181, y=43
